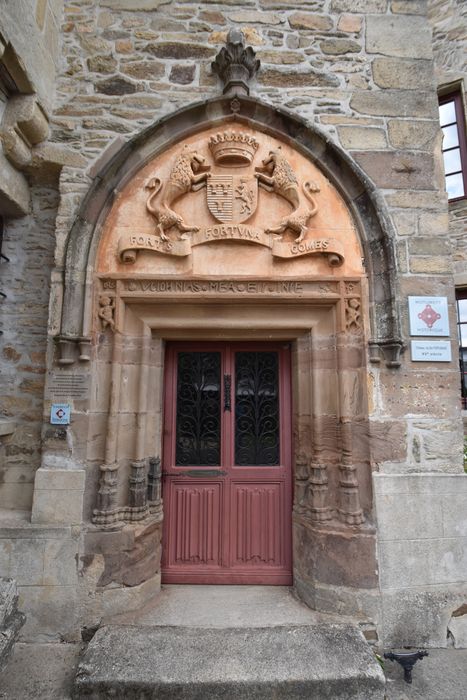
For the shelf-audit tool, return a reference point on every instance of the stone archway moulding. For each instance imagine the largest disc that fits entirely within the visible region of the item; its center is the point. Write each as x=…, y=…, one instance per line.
x=358, y=192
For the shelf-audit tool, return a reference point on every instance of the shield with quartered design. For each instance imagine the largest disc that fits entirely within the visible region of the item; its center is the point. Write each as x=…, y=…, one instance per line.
x=232, y=198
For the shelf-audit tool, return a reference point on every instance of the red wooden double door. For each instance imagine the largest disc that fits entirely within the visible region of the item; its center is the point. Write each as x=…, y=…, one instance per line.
x=226, y=464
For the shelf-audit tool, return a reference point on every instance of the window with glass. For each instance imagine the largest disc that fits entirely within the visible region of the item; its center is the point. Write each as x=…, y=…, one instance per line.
x=461, y=301
x=451, y=116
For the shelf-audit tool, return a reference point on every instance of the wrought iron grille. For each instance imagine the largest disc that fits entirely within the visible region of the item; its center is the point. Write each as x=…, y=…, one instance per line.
x=257, y=440
x=198, y=409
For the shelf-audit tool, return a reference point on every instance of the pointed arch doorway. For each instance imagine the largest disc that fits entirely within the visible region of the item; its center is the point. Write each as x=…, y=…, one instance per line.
x=227, y=464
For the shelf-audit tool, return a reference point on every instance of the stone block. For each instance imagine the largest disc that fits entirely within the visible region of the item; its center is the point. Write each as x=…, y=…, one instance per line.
x=115, y=86
x=417, y=484
x=408, y=74
x=52, y=614
x=458, y=629
x=16, y=495
x=134, y=5
x=60, y=563
x=409, y=7
x=14, y=190
x=57, y=506
x=305, y=20
x=395, y=103
x=285, y=58
x=335, y=557
x=404, y=36
x=356, y=137
x=405, y=222
x=255, y=17
x=412, y=134
x=339, y=47
x=454, y=512
x=419, y=617
x=23, y=560
x=424, y=245
x=290, y=661
x=120, y=599
x=387, y=440
x=399, y=520
x=359, y=6
x=179, y=50
x=434, y=265
x=278, y=78
x=60, y=479
x=416, y=388
x=434, y=223
x=182, y=75
x=351, y=24
x=143, y=70
x=397, y=171
x=102, y=64
x=433, y=561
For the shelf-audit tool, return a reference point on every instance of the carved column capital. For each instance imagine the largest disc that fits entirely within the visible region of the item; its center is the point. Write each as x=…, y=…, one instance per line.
x=236, y=64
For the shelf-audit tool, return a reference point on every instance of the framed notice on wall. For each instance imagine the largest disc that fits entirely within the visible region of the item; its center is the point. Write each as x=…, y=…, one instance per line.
x=428, y=316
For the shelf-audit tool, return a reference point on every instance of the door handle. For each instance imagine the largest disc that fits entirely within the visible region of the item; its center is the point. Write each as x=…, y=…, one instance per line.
x=227, y=392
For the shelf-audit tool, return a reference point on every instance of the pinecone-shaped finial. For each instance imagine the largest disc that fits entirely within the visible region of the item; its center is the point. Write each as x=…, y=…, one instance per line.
x=236, y=64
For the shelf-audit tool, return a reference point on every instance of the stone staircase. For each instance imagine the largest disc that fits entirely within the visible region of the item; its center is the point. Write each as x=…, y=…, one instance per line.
x=235, y=644
x=11, y=620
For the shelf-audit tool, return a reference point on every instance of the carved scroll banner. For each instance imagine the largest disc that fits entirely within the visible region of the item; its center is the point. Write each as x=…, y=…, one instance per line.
x=129, y=244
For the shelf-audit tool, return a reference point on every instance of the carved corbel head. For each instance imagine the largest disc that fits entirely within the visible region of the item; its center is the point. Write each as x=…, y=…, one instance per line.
x=236, y=64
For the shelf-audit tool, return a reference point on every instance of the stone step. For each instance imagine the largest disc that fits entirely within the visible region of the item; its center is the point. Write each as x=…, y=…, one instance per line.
x=288, y=662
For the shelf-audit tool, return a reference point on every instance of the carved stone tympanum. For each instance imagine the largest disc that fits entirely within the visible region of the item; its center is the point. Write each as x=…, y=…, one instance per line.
x=233, y=184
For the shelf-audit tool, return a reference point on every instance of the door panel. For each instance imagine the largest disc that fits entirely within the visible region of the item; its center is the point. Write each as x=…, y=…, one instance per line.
x=194, y=522
x=226, y=464
x=256, y=525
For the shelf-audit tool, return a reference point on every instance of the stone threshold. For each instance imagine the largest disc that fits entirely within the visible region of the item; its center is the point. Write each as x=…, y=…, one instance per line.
x=291, y=662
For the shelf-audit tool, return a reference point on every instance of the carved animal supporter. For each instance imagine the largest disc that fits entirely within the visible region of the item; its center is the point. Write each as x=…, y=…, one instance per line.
x=276, y=175
x=188, y=174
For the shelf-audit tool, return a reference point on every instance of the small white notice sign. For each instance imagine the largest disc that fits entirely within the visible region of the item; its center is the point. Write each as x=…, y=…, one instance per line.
x=431, y=350
x=60, y=413
x=428, y=316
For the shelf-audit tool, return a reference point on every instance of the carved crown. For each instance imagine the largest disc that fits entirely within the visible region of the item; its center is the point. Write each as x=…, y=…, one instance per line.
x=233, y=148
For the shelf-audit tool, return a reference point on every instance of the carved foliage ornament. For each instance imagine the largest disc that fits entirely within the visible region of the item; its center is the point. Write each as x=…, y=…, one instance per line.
x=232, y=199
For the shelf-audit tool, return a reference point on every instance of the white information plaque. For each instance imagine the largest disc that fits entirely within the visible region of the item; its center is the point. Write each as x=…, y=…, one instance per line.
x=431, y=350
x=428, y=316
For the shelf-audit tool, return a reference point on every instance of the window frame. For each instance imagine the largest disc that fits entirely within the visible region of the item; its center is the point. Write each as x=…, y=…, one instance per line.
x=456, y=97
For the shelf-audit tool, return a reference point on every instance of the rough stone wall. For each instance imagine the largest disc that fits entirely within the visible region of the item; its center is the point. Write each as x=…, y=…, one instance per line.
x=30, y=50
x=29, y=243
x=448, y=19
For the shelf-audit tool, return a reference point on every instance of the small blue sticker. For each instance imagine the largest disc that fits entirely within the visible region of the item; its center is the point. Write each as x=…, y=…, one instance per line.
x=60, y=414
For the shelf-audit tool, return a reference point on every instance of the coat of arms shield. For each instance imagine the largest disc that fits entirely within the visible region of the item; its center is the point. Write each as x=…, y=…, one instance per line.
x=232, y=198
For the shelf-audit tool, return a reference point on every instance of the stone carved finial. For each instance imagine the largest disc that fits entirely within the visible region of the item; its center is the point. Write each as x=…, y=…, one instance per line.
x=236, y=65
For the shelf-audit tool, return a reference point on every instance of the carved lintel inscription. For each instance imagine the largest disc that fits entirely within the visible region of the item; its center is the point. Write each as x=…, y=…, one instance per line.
x=129, y=244
x=292, y=288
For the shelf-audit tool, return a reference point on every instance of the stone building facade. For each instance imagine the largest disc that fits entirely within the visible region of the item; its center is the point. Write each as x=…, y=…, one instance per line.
x=109, y=102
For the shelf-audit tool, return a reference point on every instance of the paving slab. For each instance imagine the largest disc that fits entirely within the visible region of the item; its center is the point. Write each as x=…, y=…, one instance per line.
x=290, y=662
